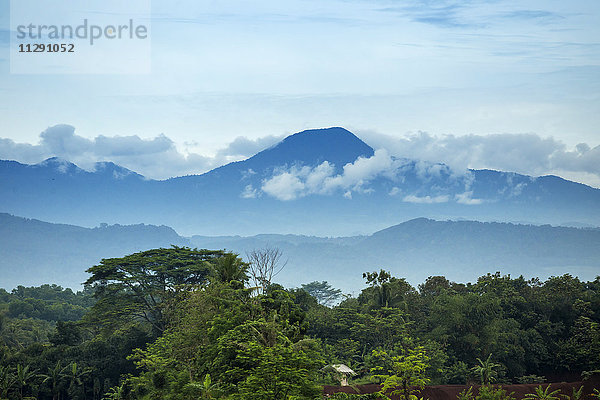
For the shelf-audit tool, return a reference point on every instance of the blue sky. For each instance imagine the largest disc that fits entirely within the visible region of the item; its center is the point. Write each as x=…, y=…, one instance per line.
x=230, y=77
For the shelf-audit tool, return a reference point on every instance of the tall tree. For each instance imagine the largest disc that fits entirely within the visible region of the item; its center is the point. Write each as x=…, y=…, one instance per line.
x=325, y=294
x=138, y=286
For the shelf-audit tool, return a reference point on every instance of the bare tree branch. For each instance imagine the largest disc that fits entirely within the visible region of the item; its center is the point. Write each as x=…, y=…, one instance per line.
x=265, y=264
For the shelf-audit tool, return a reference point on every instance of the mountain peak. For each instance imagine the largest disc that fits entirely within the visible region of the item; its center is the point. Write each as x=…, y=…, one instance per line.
x=336, y=145
x=111, y=169
x=59, y=164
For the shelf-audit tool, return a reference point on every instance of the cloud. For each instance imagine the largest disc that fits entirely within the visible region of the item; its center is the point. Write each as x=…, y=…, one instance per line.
x=285, y=186
x=362, y=171
x=426, y=199
x=156, y=158
x=466, y=198
x=441, y=14
x=541, y=16
x=159, y=158
x=249, y=192
x=245, y=147
x=302, y=181
x=526, y=153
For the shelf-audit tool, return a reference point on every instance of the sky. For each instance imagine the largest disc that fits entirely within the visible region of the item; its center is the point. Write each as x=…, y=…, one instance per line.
x=511, y=85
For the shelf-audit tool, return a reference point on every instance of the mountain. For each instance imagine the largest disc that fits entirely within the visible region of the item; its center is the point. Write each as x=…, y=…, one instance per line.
x=416, y=249
x=316, y=182
x=36, y=252
x=335, y=145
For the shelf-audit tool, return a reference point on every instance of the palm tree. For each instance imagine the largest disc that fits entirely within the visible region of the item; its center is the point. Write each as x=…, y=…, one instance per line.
x=543, y=394
x=231, y=268
x=486, y=370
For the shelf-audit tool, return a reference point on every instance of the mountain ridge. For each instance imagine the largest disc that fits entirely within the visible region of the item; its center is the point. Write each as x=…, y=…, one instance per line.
x=320, y=182
x=461, y=250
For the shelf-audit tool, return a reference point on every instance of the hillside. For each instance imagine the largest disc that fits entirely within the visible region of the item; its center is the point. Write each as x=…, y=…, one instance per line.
x=35, y=252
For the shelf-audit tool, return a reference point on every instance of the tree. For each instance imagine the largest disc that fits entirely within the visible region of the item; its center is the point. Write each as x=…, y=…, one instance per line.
x=386, y=291
x=252, y=346
x=325, y=294
x=407, y=374
x=278, y=372
x=138, y=286
x=230, y=268
x=265, y=264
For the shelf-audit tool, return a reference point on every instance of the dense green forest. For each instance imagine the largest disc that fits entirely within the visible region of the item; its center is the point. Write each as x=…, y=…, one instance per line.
x=183, y=323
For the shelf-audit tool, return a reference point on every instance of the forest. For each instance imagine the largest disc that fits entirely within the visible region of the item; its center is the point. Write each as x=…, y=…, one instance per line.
x=181, y=323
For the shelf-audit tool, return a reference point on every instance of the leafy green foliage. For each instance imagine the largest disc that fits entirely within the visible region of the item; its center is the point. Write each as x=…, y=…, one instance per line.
x=486, y=370
x=405, y=373
x=352, y=396
x=543, y=394
x=466, y=394
x=140, y=285
x=183, y=324
x=576, y=394
x=323, y=292
x=489, y=392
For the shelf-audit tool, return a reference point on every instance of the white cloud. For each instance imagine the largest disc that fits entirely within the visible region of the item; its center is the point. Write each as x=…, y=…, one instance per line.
x=243, y=147
x=156, y=158
x=425, y=199
x=159, y=158
x=527, y=154
x=285, y=186
x=249, y=192
x=302, y=181
x=395, y=190
x=361, y=171
x=466, y=198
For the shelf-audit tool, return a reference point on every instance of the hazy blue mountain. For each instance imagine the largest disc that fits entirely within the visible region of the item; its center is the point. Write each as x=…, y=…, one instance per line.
x=237, y=199
x=335, y=145
x=37, y=252
x=416, y=249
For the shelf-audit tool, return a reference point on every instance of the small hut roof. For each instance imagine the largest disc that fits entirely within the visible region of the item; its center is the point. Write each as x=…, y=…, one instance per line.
x=343, y=369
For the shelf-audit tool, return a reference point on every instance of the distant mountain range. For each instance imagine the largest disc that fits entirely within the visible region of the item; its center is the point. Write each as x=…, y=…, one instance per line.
x=35, y=252
x=323, y=182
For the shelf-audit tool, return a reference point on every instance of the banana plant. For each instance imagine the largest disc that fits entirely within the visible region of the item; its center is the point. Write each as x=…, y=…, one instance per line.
x=543, y=394
x=7, y=380
x=23, y=377
x=486, y=370
x=54, y=377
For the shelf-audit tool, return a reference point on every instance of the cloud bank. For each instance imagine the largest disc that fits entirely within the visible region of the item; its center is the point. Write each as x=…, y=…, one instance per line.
x=303, y=181
x=297, y=182
x=156, y=158
x=527, y=154
x=161, y=158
